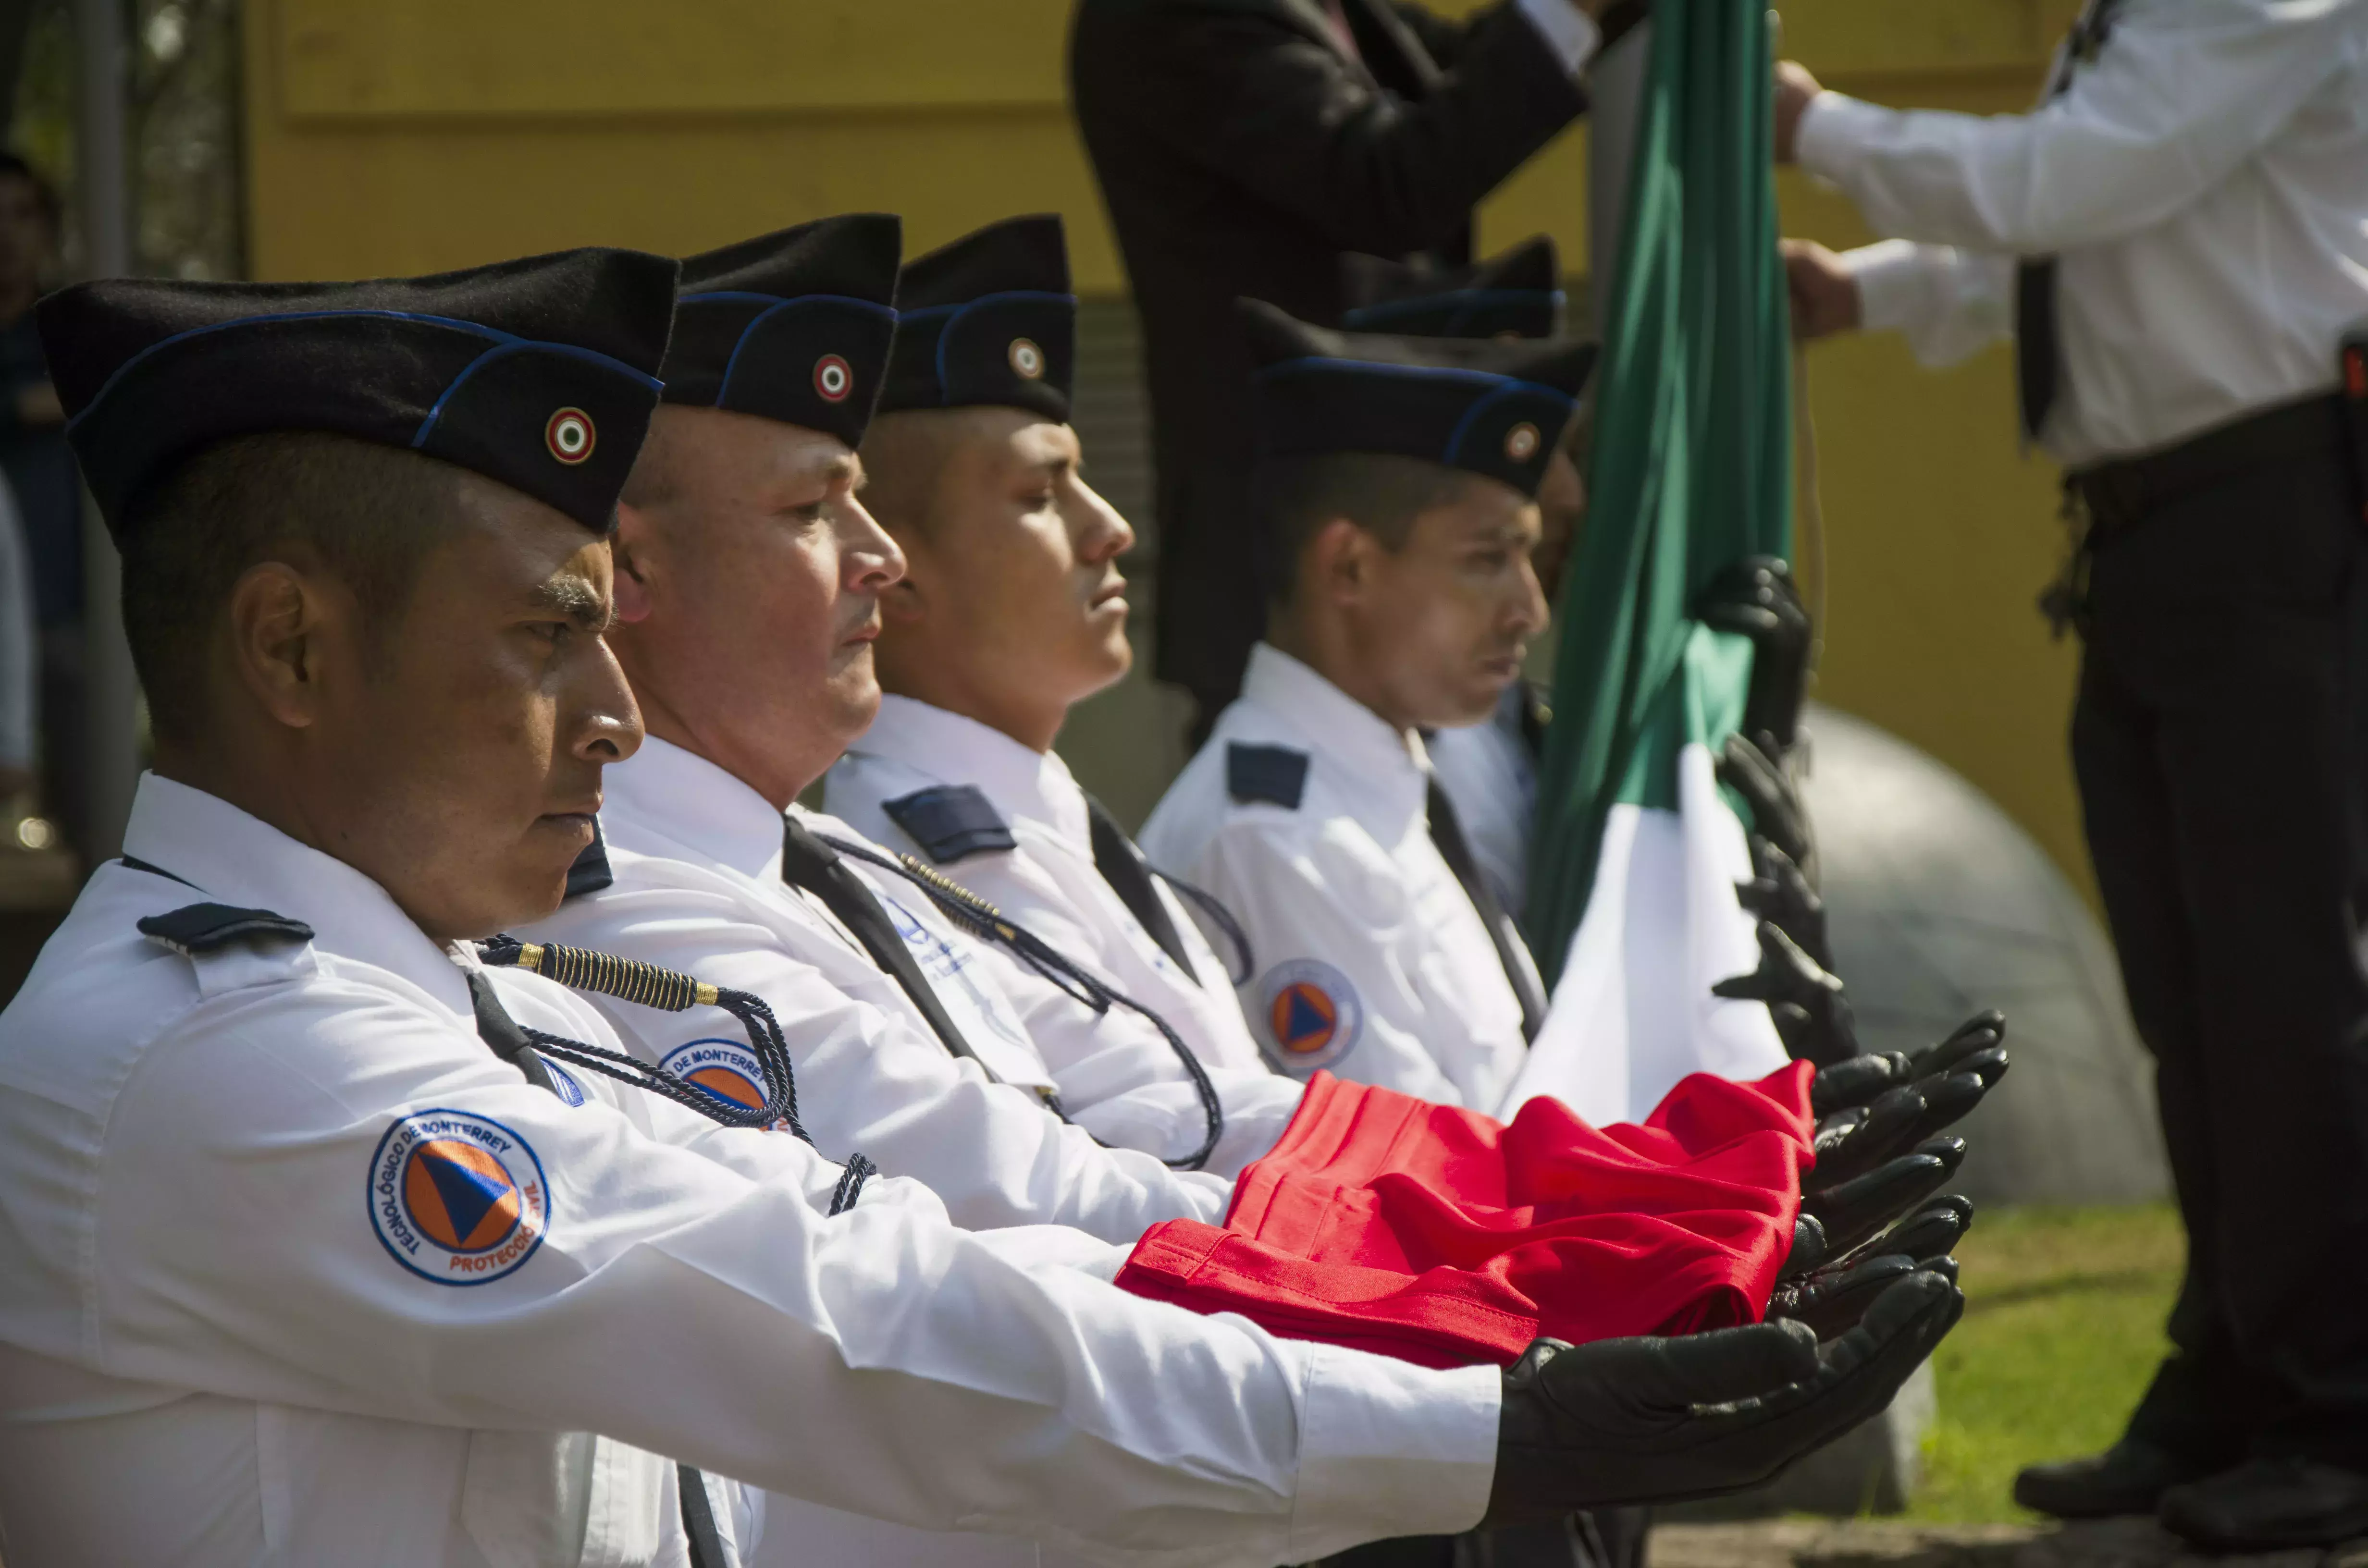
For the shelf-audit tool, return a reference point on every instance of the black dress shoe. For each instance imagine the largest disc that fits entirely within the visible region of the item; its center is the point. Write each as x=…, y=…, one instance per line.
x=2266, y=1504
x=2128, y=1478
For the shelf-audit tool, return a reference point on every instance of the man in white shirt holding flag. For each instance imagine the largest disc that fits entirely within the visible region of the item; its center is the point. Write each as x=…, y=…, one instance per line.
x=2177, y=239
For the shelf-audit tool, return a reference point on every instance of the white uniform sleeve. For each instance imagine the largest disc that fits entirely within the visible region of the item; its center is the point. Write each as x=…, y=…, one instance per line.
x=1570, y=32
x=1314, y=894
x=277, y=1235
x=2182, y=93
x=1949, y=303
x=870, y=1082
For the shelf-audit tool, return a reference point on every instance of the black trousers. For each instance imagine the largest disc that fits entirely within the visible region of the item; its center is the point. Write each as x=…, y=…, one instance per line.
x=1604, y=1538
x=2215, y=743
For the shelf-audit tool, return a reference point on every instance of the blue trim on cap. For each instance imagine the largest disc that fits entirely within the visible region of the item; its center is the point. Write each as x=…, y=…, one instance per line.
x=723, y=388
x=1463, y=301
x=515, y=346
x=954, y=313
x=1513, y=389
x=503, y=341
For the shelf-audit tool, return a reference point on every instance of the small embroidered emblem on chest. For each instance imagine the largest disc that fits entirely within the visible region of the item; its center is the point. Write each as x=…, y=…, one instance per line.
x=725, y=1069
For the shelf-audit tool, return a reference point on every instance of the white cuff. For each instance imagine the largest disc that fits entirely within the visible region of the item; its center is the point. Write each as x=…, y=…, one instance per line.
x=1833, y=131
x=1570, y=32
x=1894, y=284
x=1387, y=1448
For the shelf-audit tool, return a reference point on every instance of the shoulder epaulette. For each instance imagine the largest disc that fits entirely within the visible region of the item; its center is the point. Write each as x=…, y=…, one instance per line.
x=196, y=928
x=590, y=873
x=951, y=822
x=1277, y=775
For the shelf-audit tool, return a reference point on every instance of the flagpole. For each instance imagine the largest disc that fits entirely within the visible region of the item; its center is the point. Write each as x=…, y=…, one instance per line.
x=1615, y=94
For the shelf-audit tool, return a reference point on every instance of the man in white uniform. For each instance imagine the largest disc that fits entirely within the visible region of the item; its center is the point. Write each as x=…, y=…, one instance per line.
x=1397, y=479
x=2177, y=240
x=1010, y=610
x=303, y=1242
x=1489, y=770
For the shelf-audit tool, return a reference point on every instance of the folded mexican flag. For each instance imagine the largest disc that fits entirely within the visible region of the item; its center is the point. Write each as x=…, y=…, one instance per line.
x=1632, y=911
x=1447, y=1238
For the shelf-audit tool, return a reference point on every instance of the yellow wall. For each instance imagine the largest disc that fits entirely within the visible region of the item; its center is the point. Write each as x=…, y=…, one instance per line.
x=392, y=136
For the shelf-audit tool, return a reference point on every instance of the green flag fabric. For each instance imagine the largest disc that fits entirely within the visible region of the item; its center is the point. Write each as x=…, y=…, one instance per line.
x=1691, y=473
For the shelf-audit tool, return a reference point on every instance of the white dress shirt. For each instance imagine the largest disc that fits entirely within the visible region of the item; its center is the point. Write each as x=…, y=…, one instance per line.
x=1491, y=777
x=1371, y=961
x=2204, y=183
x=230, y=1333
x=1048, y=884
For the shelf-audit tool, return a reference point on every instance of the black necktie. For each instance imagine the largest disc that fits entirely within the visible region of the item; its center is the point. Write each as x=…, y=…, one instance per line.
x=1447, y=834
x=1121, y=866
x=505, y=1039
x=807, y=862
x=2038, y=356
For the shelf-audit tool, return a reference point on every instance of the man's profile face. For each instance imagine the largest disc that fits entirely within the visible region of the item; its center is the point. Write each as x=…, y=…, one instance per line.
x=1442, y=625
x=1016, y=571
x=26, y=237
x=463, y=742
x=756, y=600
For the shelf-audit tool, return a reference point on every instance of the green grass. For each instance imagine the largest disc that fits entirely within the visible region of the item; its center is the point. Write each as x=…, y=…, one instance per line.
x=2063, y=1326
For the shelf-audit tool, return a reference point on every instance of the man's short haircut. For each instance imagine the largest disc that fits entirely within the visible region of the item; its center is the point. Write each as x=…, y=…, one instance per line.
x=370, y=513
x=45, y=195
x=1293, y=498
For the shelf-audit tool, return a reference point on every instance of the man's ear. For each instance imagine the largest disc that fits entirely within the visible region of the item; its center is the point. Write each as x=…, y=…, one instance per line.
x=628, y=553
x=278, y=614
x=1337, y=564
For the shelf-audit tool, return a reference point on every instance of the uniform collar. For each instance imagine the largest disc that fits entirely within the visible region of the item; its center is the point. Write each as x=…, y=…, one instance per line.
x=681, y=796
x=1364, y=747
x=1018, y=781
x=232, y=857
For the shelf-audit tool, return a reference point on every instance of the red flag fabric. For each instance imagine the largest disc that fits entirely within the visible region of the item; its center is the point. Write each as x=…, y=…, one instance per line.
x=1448, y=1238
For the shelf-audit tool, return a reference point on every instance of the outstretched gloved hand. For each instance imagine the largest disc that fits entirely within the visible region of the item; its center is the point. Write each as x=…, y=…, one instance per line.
x=1859, y=1080
x=1812, y=1015
x=1776, y=813
x=1781, y=896
x=1829, y=1297
x=1852, y=1141
x=1658, y=1420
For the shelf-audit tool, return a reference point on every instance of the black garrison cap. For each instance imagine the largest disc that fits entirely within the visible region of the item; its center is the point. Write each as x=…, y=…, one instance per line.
x=540, y=373
x=1517, y=293
x=988, y=319
x=1473, y=403
x=792, y=326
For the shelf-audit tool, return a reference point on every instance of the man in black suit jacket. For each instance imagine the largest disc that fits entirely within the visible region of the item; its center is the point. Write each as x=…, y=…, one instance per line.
x=1242, y=146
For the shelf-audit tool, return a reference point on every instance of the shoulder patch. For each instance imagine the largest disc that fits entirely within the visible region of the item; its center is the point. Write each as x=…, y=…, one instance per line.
x=1307, y=1016
x=951, y=822
x=198, y=929
x=1277, y=775
x=590, y=873
x=458, y=1199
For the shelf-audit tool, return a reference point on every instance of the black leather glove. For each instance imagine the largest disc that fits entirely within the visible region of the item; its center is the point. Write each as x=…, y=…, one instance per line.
x=1852, y=1142
x=1860, y=1207
x=1831, y=1298
x=1776, y=813
x=1859, y=1080
x=1812, y=1015
x=1654, y=1420
x=1757, y=597
x=1781, y=895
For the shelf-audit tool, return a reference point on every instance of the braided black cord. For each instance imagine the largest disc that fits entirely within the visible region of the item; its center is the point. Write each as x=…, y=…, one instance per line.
x=968, y=910
x=1213, y=907
x=859, y=1169
x=632, y=980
